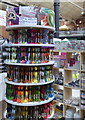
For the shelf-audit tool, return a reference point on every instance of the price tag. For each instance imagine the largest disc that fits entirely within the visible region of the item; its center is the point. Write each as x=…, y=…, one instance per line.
x=27, y=21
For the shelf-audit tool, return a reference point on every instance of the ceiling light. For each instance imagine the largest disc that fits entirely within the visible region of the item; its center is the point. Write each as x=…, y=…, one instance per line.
x=78, y=28
x=83, y=12
x=77, y=25
x=80, y=21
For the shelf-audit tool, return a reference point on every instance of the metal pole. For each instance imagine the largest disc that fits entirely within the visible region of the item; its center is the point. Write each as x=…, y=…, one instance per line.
x=56, y=10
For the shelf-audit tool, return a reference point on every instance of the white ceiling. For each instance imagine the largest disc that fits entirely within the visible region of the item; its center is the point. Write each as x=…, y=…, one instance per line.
x=67, y=9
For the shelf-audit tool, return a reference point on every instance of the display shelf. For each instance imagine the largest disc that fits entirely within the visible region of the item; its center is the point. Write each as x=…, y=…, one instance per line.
x=82, y=108
x=69, y=51
x=71, y=69
x=58, y=68
x=72, y=105
x=72, y=35
x=82, y=89
x=71, y=75
x=72, y=87
x=28, y=84
x=58, y=101
x=29, y=103
x=57, y=85
x=47, y=62
x=14, y=27
x=82, y=70
x=21, y=64
x=29, y=45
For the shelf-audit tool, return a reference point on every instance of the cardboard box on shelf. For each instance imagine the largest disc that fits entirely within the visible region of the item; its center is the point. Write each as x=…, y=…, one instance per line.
x=3, y=32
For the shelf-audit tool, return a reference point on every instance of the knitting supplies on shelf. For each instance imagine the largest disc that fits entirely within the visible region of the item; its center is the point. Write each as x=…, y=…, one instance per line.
x=37, y=112
x=59, y=78
x=58, y=111
x=83, y=100
x=28, y=55
x=31, y=36
x=58, y=95
x=24, y=94
x=19, y=74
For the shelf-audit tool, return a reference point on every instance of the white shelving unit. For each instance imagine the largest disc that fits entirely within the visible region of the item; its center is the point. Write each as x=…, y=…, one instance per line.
x=18, y=27
x=29, y=45
x=14, y=27
x=29, y=103
x=68, y=90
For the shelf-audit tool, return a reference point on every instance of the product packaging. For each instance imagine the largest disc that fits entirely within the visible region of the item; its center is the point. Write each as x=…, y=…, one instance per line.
x=30, y=15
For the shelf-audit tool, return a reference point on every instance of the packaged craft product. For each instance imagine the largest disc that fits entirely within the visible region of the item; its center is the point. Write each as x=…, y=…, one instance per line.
x=57, y=43
x=30, y=15
x=64, y=44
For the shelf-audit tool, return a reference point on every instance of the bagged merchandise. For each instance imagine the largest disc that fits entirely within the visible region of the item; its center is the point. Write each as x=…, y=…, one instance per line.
x=83, y=66
x=63, y=60
x=83, y=99
x=60, y=60
x=70, y=113
x=56, y=58
x=59, y=78
x=30, y=15
x=77, y=45
x=83, y=80
x=76, y=115
x=57, y=43
x=64, y=44
x=58, y=112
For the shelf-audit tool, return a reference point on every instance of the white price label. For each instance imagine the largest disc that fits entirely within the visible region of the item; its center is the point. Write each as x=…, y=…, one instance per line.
x=27, y=21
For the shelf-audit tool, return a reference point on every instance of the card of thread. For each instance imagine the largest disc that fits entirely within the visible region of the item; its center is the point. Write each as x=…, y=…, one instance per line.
x=29, y=113
x=24, y=94
x=28, y=55
x=29, y=74
x=31, y=36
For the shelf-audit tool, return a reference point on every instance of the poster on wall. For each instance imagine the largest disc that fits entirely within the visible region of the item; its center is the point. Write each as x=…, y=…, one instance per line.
x=2, y=18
